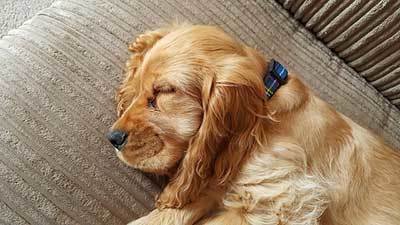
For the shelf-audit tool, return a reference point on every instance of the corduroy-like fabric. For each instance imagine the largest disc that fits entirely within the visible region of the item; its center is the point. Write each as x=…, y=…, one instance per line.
x=365, y=33
x=58, y=75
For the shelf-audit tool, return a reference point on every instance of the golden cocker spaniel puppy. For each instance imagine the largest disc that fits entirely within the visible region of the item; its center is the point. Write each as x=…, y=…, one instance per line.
x=193, y=106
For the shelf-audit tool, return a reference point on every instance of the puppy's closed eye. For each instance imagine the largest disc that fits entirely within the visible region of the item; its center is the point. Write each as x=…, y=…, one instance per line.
x=152, y=102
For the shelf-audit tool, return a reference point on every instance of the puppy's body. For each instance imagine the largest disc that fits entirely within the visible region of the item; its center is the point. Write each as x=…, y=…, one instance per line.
x=319, y=167
x=193, y=106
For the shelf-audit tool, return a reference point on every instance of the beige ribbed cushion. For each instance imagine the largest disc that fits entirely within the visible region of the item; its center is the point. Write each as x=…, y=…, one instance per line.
x=365, y=33
x=58, y=75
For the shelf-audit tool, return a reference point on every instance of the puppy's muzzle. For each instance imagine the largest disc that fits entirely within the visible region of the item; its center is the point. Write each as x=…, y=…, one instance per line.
x=117, y=138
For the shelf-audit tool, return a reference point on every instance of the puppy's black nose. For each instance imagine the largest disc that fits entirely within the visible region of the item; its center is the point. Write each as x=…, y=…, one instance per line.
x=117, y=138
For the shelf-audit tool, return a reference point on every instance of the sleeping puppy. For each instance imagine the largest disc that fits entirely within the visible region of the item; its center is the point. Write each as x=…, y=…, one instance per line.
x=196, y=105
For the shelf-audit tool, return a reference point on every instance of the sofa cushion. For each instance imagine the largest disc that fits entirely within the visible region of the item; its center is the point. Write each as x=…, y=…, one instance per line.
x=58, y=75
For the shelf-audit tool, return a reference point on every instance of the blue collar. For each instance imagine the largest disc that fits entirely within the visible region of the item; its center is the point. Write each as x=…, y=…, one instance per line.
x=276, y=76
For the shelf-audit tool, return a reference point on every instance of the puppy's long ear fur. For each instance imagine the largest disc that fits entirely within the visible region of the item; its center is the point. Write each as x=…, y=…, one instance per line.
x=142, y=44
x=233, y=102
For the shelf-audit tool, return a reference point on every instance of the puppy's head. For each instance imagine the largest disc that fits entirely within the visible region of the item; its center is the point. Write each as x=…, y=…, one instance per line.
x=191, y=106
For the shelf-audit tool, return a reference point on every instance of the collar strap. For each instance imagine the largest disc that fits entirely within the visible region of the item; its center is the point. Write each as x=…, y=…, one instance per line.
x=276, y=76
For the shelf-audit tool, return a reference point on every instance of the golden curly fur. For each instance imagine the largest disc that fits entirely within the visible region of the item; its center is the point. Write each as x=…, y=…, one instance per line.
x=194, y=106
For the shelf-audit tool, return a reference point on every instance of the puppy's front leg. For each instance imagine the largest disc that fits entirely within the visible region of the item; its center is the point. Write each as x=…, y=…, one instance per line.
x=166, y=217
x=187, y=215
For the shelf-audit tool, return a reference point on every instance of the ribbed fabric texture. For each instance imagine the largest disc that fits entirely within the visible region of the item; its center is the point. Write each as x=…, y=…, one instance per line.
x=58, y=75
x=365, y=33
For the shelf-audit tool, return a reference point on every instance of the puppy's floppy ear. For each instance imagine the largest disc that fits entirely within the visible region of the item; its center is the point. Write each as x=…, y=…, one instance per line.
x=142, y=44
x=233, y=101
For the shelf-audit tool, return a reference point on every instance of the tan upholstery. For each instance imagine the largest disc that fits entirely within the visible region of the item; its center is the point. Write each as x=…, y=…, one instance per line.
x=58, y=75
x=365, y=33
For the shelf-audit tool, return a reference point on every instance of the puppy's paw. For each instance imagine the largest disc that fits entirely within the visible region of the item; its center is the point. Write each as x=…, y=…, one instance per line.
x=149, y=219
x=159, y=217
x=141, y=221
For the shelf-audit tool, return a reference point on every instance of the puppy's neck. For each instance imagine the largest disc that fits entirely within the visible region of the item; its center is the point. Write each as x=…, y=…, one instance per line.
x=289, y=97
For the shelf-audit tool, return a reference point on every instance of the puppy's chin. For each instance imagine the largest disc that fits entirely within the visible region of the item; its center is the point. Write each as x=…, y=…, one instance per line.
x=163, y=163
